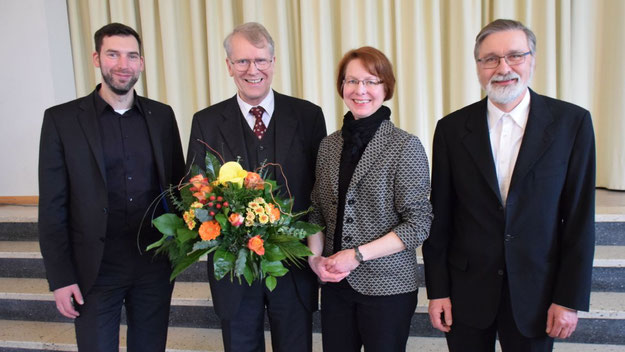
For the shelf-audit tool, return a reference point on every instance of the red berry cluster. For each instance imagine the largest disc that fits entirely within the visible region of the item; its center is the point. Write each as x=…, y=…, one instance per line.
x=215, y=204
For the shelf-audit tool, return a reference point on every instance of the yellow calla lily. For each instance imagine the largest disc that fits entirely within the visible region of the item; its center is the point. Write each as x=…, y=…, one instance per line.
x=231, y=172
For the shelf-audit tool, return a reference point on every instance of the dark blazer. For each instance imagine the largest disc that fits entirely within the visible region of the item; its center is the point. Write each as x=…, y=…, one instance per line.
x=543, y=239
x=388, y=192
x=72, y=185
x=299, y=128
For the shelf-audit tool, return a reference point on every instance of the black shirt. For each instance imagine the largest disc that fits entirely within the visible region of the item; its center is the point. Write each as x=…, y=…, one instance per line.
x=131, y=176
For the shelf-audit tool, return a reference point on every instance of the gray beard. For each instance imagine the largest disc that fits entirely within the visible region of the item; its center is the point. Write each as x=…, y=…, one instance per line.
x=507, y=94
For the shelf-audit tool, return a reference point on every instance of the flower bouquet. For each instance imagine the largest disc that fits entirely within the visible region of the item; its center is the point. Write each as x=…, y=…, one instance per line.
x=234, y=215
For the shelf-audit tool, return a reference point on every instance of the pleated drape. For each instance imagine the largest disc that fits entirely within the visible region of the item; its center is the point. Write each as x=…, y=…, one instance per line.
x=580, y=54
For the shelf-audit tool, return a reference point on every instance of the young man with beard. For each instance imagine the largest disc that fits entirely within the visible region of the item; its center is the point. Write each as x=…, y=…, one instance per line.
x=512, y=242
x=259, y=125
x=103, y=159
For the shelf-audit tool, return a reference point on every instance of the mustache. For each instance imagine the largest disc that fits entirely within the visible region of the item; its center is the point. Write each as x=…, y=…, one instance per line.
x=506, y=77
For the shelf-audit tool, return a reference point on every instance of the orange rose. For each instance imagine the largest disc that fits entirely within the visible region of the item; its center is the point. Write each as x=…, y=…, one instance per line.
x=254, y=181
x=209, y=230
x=198, y=181
x=235, y=219
x=255, y=244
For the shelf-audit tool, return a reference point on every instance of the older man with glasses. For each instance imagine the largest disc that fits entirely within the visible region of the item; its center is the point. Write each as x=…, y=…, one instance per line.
x=260, y=125
x=511, y=247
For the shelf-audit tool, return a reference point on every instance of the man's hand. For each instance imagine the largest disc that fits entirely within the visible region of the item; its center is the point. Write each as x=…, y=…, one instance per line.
x=440, y=307
x=561, y=321
x=319, y=265
x=64, y=297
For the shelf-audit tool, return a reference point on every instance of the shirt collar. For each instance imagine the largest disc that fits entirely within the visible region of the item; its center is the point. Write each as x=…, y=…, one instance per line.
x=519, y=114
x=101, y=104
x=268, y=104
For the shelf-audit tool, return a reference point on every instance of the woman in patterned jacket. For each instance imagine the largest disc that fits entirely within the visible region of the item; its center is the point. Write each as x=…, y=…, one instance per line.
x=371, y=196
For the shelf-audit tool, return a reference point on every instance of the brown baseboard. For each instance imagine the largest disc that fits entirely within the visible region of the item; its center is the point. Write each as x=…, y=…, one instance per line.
x=19, y=200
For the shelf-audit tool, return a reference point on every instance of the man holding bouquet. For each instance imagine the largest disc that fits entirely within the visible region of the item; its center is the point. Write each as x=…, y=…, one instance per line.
x=256, y=126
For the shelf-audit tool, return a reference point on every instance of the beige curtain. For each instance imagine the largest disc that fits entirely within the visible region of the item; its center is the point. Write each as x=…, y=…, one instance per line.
x=580, y=54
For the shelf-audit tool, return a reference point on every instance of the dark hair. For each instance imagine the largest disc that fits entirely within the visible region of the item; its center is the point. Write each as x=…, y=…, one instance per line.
x=375, y=62
x=501, y=25
x=254, y=32
x=113, y=29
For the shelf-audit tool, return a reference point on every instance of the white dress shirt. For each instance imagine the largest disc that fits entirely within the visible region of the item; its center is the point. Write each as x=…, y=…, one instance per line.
x=506, y=133
x=268, y=104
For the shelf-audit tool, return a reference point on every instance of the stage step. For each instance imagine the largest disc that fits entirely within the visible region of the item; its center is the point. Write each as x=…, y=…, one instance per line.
x=32, y=336
x=29, y=320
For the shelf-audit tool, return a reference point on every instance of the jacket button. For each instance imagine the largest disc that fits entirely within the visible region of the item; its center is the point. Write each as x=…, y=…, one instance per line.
x=508, y=237
x=500, y=272
x=102, y=239
x=349, y=220
x=500, y=207
x=104, y=210
x=262, y=147
x=347, y=239
x=351, y=202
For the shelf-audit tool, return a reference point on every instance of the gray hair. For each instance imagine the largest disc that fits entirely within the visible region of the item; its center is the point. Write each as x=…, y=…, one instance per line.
x=254, y=32
x=501, y=25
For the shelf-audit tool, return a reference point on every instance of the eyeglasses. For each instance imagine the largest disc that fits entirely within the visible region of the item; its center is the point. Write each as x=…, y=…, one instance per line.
x=244, y=64
x=368, y=83
x=511, y=59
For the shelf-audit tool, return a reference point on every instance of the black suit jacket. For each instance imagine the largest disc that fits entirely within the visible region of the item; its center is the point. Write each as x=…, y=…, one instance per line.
x=299, y=128
x=72, y=185
x=543, y=239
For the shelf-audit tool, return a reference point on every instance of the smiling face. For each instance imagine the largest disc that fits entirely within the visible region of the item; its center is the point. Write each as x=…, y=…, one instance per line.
x=505, y=85
x=120, y=63
x=253, y=85
x=362, y=100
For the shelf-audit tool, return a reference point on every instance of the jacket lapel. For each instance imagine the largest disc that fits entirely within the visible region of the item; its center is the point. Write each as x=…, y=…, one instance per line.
x=372, y=152
x=232, y=133
x=286, y=126
x=88, y=121
x=537, y=138
x=155, y=130
x=477, y=142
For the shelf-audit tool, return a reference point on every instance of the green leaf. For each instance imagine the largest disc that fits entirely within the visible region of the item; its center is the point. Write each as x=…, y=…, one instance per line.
x=240, y=265
x=187, y=261
x=212, y=166
x=184, y=234
x=273, y=268
x=158, y=243
x=308, y=228
x=271, y=282
x=195, y=170
x=248, y=273
x=222, y=220
x=187, y=196
x=295, y=249
x=168, y=224
x=223, y=263
x=273, y=252
x=205, y=244
x=202, y=215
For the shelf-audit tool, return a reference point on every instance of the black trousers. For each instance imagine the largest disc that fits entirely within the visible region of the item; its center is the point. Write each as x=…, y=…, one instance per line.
x=289, y=320
x=141, y=284
x=464, y=338
x=350, y=320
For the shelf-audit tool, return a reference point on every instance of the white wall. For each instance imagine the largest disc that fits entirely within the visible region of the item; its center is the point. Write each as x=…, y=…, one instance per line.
x=35, y=73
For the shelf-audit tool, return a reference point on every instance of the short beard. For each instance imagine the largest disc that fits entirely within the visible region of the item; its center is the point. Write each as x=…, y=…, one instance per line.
x=507, y=94
x=108, y=80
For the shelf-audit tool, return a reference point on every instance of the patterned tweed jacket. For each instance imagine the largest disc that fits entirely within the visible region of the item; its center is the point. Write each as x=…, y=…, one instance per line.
x=388, y=192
